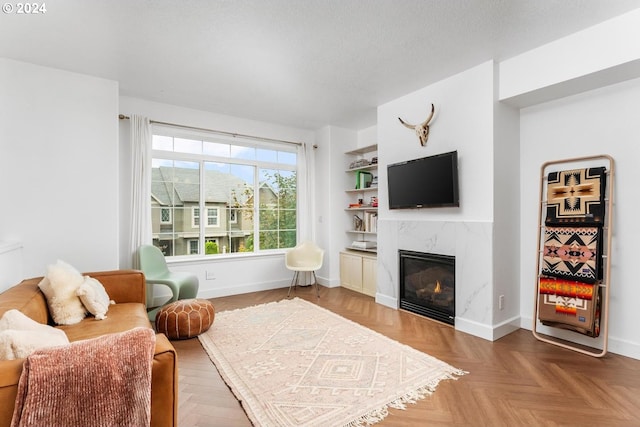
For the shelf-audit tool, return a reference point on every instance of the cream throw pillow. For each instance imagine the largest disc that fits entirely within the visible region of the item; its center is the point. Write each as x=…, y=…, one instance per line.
x=20, y=336
x=59, y=287
x=94, y=297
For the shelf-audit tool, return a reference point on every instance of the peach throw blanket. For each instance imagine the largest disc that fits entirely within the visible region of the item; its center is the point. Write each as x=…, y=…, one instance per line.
x=104, y=381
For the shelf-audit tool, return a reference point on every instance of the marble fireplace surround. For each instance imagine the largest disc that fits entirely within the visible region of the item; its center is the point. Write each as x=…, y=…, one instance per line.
x=469, y=242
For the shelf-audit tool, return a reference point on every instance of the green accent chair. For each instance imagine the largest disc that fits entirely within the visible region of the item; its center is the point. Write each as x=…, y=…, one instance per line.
x=154, y=266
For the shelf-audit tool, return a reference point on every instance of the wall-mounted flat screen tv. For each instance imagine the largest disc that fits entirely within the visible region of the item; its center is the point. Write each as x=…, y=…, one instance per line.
x=428, y=182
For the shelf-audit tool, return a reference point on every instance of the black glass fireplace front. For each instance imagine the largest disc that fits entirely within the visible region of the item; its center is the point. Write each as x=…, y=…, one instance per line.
x=427, y=285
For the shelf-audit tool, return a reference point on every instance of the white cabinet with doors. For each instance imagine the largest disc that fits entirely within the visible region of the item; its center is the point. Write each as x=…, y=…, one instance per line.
x=358, y=272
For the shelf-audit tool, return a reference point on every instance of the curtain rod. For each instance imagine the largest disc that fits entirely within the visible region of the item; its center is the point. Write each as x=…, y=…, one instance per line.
x=123, y=117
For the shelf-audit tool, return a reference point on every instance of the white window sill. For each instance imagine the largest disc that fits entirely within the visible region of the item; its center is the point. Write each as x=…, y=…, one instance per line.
x=203, y=259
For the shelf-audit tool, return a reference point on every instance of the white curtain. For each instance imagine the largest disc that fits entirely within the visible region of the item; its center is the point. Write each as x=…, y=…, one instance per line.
x=306, y=193
x=141, y=185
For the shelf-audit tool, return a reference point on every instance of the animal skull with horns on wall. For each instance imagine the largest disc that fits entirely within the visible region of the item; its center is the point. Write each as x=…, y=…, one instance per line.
x=422, y=130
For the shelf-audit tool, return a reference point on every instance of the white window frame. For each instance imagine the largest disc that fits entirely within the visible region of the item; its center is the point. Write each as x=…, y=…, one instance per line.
x=257, y=164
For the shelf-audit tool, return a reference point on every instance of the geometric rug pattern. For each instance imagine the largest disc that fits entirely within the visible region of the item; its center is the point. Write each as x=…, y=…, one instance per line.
x=293, y=363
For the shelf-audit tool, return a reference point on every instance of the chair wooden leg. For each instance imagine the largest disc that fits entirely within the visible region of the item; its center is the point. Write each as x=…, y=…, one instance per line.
x=294, y=282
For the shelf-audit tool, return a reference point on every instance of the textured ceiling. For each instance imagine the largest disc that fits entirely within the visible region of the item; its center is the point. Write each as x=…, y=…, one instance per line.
x=305, y=63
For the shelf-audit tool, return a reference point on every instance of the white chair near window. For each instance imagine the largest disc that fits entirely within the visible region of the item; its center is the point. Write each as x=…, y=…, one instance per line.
x=306, y=257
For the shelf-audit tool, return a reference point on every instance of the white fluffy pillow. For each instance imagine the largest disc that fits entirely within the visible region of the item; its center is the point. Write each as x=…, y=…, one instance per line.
x=20, y=336
x=59, y=287
x=94, y=297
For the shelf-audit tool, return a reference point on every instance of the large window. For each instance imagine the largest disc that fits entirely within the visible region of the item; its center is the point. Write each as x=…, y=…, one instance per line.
x=213, y=196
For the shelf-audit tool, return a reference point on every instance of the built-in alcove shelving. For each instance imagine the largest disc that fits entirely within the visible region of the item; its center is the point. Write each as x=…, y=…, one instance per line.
x=358, y=269
x=362, y=160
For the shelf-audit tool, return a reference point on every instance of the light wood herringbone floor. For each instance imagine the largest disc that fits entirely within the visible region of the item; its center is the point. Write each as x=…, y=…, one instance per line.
x=515, y=381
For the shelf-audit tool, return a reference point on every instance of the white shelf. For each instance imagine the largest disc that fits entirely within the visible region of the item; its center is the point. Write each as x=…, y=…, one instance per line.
x=362, y=150
x=369, y=208
x=371, y=250
x=373, y=166
x=362, y=190
x=373, y=233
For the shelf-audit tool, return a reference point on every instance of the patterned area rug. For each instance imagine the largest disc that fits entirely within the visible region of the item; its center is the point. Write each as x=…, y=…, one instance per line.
x=292, y=363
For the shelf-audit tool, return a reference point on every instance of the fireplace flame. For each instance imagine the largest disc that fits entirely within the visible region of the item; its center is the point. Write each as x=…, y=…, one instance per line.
x=438, y=288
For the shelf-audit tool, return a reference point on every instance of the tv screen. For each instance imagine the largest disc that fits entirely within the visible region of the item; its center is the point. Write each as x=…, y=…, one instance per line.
x=427, y=182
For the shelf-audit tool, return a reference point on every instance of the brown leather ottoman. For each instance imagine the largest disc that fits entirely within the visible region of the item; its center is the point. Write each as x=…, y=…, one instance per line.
x=185, y=318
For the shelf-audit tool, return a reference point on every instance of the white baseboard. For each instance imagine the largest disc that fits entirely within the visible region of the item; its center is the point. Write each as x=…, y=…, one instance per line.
x=614, y=345
x=242, y=289
x=505, y=328
x=624, y=347
x=474, y=328
x=161, y=295
x=488, y=332
x=387, y=301
x=335, y=283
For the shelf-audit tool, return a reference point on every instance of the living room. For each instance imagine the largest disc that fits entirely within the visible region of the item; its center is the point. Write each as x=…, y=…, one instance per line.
x=74, y=109
x=68, y=154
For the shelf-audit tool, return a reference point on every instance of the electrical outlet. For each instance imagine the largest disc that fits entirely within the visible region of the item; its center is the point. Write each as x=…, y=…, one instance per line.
x=209, y=275
x=501, y=302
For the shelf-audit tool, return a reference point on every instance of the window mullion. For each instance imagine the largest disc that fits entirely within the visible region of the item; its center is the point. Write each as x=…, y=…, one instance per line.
x=203, y=212
x=256, y=209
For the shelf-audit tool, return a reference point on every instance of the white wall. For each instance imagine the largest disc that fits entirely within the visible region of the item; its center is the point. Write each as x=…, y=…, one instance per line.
x=602, y=121
x=465, y=121
x=323, y=216
x=506, y=181
x=10, y=264
x=332, y=180
x=224, y=275
x=368, y=136
x=597, y=56
x=59, y=166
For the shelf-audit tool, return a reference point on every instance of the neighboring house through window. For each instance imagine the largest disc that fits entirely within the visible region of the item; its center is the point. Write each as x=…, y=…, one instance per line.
x=247, y=191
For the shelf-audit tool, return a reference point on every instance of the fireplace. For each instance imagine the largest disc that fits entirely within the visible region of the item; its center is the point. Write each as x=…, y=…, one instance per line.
x=427, y=285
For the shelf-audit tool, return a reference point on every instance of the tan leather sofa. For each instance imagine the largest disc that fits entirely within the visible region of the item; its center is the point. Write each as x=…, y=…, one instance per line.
x=128, y=289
